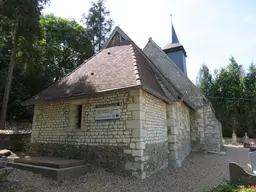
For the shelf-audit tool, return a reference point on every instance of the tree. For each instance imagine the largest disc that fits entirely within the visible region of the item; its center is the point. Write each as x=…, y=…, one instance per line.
x=61, y=47
x=23, y=17
x=204, y=80
x=66, y=46
x=228, y=93
x=98, y=24
x=232, y=93
x=250, y=100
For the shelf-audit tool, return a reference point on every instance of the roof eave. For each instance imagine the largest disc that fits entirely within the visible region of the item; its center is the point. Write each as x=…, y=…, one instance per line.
x=85, y=95
x=177, y=48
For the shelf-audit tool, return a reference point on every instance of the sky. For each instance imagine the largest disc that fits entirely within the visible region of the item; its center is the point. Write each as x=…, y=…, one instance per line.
x=210, y=30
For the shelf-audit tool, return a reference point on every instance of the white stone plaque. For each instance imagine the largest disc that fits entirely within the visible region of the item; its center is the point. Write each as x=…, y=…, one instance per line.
x=107, y=112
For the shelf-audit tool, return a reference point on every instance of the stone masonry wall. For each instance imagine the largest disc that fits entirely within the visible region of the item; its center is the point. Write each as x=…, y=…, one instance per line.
x=156, y=126
x=104, y=143
x=137, y=142
x=179, y=141
x=206, y=130
x=213, y=131
x=150, y=147
x=52, y=122
x=197, y=129
x=155, y=119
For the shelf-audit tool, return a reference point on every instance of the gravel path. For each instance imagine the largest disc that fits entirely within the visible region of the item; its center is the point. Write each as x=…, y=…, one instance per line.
x=198, y=171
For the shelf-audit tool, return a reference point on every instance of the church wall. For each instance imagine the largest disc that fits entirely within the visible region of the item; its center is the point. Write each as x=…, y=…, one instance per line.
x=212, y=130
x=156, y=148
x=151, y=147
x=136, y=143
x=179, y=142
x=206, y=130
x=105, y=143
x=197, y=128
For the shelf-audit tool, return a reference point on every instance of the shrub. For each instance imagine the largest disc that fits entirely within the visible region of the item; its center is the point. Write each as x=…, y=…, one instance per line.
x=230, y=188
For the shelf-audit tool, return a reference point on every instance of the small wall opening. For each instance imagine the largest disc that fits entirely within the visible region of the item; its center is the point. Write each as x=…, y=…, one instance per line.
x=76, y=117
x=79, y=116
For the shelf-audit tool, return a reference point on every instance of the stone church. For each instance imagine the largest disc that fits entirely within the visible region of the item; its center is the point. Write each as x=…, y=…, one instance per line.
x=127, y=109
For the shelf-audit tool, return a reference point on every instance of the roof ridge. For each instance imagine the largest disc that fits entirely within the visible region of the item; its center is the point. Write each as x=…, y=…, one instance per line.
x=135, y=66
x=162, y=52
x=156, y=71
x=68, y=74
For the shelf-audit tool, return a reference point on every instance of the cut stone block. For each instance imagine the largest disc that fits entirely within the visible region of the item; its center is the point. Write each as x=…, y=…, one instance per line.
x=134, y=107
x=132, y=145
x=139, y=99
x=134, y=124
x=172, y=139
x=139, y=133
x=173, y=147
x=140, y=145
x=136, y=115
x=138, y=153
x=135, y=92
x=170, y=122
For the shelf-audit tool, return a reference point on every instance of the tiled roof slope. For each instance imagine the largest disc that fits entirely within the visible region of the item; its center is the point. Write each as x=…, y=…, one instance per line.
x=175, y=76
x=113, y=68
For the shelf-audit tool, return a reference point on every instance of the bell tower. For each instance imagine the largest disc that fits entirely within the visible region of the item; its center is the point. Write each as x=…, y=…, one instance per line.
x=176, y=51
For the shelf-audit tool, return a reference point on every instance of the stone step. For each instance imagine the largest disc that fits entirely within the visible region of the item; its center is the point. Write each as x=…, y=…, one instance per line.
x=52, y=162
x=54, y=173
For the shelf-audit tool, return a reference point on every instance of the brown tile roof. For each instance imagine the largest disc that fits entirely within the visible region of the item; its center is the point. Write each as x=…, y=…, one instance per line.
x=113, y=68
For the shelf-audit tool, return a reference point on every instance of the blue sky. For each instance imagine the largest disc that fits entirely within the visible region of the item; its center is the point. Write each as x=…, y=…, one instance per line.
x=210, y=30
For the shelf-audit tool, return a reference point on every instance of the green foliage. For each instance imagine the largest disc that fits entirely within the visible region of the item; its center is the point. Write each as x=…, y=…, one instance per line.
x=225, y=187
x=19, y=21
x=24, y=13
x=98, y=24
x=62, y=46
x=232, y=93
x=204, y=80
x=229, y=188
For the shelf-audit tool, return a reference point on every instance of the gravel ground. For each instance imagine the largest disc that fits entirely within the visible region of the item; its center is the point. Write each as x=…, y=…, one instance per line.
x=198, y=170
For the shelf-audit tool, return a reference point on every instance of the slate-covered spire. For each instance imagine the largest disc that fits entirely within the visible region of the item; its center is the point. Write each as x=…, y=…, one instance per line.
x=174, y=36
x=174, y=41
x=176, y=51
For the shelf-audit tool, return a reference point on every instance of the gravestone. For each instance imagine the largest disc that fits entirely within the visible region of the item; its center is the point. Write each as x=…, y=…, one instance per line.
x=238, y=176
x=246, y=141
x=234, y=138
x=252, y=157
